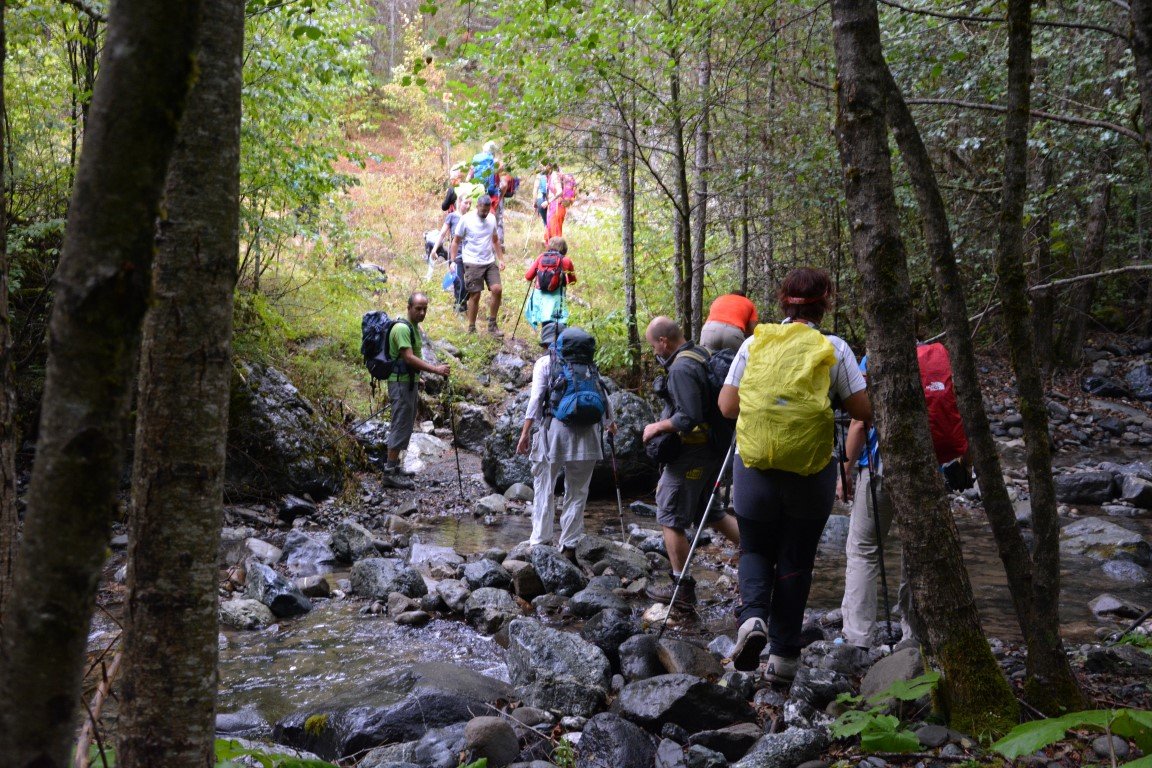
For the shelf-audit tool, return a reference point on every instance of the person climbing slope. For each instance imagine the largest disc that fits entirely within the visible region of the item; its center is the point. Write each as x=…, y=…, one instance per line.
x=550, y=275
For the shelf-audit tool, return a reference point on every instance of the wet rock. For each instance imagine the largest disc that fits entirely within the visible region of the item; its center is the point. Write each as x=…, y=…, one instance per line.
x=1139, y=381
x=519, y=492
x=246, y=723
x=1100, y=539
x=640, y=509
x=835, y=535
x=488, y=609
x=701, y=757
x=786, y=750
x=292, y=507
x=425, y=556
x=686, y=700
x=399, y=603
x=473, y=425
x=352, y=541
x=440, y=747
x=413, y=618
x=1136, y=491
x=1113, y=607
x=682, y=657
x=492, y=504
x=556, y=572
x=491, y=738
x=1084, y=487
x=501, y=465
x=377, y=577
x=314, y=587
x=932, y=736
x=901, y=666
x=275, y=591
x=610, y=741
x=232, y=547
x=626, y=561
x=278, y=443
x=743, y=684
x=487, y=573
x=592, y=600
x=639, y=658
x=308, y=554
x=844, y=658
x=819, y=687
x=1126, y=571
x=607, y=631
x=1121, y=510
x=245, y=614
x=1119, y=659
x=732, y=742
x=556, y=670
x=454, y=594
x=263, y=551
x=550, y=605
x=399, y=707
x=510, y=368
x=525, y=581
x=1104, y=387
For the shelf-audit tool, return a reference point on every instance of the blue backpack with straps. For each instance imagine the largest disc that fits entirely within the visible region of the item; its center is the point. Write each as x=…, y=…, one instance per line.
x=575, y=394
x=484, y=172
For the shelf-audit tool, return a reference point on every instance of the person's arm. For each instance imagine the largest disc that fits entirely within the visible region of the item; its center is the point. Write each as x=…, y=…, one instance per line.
x=540, y=373
x=454, y=249
x=569, y=270
x=440, y=238
x=498, y=248
x=854, y=442
x=412, y=361
x=686, y=392
x=752, y=321
x=729, y=401
x=859, y=406
x=531, y=273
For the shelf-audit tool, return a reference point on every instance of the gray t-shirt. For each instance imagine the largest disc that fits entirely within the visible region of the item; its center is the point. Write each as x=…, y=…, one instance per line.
x=476, y=238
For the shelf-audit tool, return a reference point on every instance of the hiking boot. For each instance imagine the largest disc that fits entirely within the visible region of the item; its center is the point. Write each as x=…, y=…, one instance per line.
x=493, y=330
x=750, y=641
x=398, y=469
x=662, y=593
x=396, y=480
x=781, y=671
x=472, y=329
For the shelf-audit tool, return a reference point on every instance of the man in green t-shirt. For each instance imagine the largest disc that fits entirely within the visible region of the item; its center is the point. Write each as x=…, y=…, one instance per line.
x=404, y=347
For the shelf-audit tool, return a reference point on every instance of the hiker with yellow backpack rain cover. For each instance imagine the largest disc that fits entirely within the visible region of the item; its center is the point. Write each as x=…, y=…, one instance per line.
x=780, y=389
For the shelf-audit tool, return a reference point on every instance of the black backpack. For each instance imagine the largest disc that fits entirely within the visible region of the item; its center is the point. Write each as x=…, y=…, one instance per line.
x=716, y=364
x=375, y=327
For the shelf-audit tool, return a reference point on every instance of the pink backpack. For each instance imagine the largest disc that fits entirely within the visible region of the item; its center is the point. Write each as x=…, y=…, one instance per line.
x=567, y=186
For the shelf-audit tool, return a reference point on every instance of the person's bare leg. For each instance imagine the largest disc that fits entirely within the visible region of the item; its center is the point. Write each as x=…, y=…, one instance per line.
x=473, y=308
x=497, y=296
x=676, y=542
x=728, y=527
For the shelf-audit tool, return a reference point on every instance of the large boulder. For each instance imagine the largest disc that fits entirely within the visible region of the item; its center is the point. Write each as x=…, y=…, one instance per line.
x=1103, y=540
x=625, y=560
x=378, y=577
x=399, y=707
x=1084, y=487
x=608, y=630
x=487, y=573
x=1139, y=381
x=610, y=741
x=278, y=443
x=556, y=670
x=307, y=554
x=555, y=572
x=786, y=750
x=473, y=425
x=489, y=609
x=686, y=700
x=502, y=466
x=352, y=542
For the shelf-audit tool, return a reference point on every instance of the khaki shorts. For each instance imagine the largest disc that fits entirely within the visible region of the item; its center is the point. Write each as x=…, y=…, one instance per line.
x=477, y=276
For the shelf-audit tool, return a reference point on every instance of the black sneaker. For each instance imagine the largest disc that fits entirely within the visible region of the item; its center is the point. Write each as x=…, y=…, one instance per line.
x=662, y=593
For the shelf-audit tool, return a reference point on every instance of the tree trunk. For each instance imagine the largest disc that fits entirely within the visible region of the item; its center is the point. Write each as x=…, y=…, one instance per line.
x=1048, y=682
x=9, y=523
x=170, y=636
x=1080, y=297
x=1047, y=664
x=700, y=193
x=627, y=183
x=979, y=698
x=682, y=204
x=103, y=284
x=1044, y=301
x=1141, y=13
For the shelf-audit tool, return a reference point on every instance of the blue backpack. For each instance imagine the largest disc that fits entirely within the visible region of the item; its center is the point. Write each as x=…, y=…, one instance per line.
x=575, y=394
x=484, y=172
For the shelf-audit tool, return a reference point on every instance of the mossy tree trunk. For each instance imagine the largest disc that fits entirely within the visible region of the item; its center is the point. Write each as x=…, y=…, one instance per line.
x=170, y=636
x=102, y=288
x=980, y=699
x=1049, y=673
x=9, y=523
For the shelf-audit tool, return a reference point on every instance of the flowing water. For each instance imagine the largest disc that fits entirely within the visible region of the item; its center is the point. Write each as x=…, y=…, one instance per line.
x=335, y=649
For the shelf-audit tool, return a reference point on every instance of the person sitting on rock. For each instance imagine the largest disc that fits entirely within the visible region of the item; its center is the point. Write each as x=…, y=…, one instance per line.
x=562, y=444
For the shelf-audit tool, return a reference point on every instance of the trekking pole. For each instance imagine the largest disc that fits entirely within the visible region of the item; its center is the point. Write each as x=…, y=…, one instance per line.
x=616, y=480
x=696, y=538
x=873, y=461
x=522, y=305
x=455, y=443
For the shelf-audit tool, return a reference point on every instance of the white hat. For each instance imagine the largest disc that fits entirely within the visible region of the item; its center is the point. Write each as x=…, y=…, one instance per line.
x=490, y=146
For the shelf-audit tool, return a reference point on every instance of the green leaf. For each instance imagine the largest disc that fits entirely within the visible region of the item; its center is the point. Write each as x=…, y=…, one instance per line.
x=1135, y=724
x=889, y=741
x=1029, y=737
x=1144, y=762
x=307, y=30
x=907, y=690
x=406, y=80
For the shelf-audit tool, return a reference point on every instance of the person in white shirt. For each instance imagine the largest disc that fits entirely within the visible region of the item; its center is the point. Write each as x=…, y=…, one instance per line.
x=483, y=257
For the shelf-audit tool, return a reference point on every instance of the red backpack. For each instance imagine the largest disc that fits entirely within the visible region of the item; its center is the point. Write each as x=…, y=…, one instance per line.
x=550, y=274
x=947, y=429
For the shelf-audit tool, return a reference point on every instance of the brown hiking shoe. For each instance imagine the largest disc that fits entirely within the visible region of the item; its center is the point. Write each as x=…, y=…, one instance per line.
x=493, y=330
x=662, y=593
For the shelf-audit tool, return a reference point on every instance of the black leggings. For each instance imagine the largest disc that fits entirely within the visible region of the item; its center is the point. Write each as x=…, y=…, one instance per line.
x=781, y=517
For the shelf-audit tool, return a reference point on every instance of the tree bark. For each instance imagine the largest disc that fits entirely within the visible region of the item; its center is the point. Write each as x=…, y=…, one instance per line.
x=1047, y=684
x=627, y=183
x=1044, y=301
x=170, y=636
x=700, y=193
x=1141, y=43
x=978, y=696
x=9, y=522
x=102, y=289
x=1046, y=659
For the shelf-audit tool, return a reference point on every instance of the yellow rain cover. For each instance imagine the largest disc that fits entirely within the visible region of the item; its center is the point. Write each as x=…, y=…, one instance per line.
x=785, y=413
